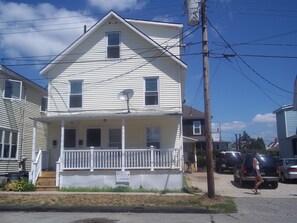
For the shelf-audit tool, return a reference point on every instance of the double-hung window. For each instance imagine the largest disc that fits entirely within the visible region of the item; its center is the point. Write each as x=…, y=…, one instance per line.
x=151, y=91
x=153, y=137
x=13, y=89
x=196, y=128
x=8, y=144
x=75, y=95
x=113, y=45
x=115, y=138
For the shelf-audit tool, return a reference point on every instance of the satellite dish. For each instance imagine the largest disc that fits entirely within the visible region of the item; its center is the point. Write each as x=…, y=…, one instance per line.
x=126, y=95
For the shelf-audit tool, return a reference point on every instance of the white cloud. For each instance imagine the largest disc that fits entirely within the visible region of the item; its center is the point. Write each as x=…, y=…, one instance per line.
x=235, y=125
x=41, y=29
x=267, y=119
x=107, y=5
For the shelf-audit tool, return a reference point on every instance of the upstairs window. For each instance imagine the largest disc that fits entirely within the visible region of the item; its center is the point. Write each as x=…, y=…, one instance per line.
x=12, y=89
x=151, y=91
x=196, y=128
x=113, y=45
x=75, y=96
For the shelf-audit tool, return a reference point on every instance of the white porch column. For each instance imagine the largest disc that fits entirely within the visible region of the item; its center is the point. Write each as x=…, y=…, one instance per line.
x=34, y=142
x=62, y=145
x=33, y=156
x=181, y=148
x=123, y=143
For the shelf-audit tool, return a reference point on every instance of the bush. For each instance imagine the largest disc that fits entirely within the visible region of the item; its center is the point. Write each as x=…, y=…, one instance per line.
x=201, y=161
x=19, y=185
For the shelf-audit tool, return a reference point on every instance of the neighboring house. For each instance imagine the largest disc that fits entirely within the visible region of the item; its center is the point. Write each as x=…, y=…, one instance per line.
x=20, y=100
x=114, y=110
x=286, y=123
x=194, y=134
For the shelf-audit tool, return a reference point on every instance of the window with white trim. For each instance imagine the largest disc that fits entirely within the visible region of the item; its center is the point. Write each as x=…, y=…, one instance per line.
x=75, y=95
x=8, y=144
x=153, y=137
x=69, y=138
x=93, y=137
x=151, y=91
x=196, y=127
x=115, y=138
x=13, y=89
x=113, y=45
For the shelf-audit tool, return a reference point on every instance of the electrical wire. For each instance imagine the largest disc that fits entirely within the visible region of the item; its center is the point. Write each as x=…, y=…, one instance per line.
x=249, y=66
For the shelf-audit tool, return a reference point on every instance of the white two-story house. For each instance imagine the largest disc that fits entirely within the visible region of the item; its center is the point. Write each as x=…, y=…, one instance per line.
x=114, y=110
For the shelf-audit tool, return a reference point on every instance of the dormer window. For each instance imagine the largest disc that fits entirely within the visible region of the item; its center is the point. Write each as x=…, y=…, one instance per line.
x=12, y=89
x=113, y=45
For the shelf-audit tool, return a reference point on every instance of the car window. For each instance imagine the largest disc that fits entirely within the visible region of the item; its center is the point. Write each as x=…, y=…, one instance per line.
x=267, y=161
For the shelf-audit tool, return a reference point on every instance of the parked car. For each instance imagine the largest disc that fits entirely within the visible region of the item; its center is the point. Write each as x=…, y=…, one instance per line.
x=226, y=160
x=287, y=169
x=243, y=172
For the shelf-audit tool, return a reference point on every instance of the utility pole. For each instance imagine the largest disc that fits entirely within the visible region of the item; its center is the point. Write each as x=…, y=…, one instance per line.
x=208, y=136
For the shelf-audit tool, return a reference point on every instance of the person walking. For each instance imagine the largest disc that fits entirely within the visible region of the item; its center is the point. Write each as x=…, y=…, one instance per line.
x=257, y=174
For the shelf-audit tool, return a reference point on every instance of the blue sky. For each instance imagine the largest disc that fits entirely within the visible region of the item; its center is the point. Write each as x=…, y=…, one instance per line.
x=253, y=50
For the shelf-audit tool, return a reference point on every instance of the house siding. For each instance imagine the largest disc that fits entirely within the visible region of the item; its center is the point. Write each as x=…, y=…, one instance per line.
x=291, y=119
x=14, y=115
x=126, y=73
x=166, y=36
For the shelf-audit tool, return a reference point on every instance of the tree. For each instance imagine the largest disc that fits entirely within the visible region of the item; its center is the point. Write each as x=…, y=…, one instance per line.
x=248, y=143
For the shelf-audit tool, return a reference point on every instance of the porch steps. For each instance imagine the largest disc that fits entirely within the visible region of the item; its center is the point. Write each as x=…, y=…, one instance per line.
x=46, y=182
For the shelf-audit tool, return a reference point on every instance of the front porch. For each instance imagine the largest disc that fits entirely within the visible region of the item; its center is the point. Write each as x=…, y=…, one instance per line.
x=150, y=168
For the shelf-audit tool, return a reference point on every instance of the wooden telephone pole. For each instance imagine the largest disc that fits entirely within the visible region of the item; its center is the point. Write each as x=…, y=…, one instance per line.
x=208, y=136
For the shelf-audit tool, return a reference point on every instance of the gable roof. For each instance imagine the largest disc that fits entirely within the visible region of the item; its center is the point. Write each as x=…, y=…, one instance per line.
x=192, y=113
x=6, y=71
x=110, y=15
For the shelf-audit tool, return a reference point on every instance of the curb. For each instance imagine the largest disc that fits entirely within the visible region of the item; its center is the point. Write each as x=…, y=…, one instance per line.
x=111, y=209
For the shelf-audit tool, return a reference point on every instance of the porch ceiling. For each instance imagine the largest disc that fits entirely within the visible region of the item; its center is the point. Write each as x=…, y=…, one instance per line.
x=92, y=116
x=194, y=139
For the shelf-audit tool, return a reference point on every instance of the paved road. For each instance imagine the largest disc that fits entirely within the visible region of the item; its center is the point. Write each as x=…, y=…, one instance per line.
x=225, y=186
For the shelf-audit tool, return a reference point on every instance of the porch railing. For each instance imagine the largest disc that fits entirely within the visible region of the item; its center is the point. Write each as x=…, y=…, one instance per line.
x=36, y=167
x=94, y=159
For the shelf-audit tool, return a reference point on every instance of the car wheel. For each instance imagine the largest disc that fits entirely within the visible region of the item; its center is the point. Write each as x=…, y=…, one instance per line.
x=283, y=179
x=274, y=185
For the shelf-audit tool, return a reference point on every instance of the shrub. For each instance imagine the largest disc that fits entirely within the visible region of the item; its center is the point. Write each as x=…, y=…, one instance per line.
x=19, y=185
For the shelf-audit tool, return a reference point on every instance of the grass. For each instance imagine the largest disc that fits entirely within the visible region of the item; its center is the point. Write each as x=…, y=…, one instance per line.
x=190, y=197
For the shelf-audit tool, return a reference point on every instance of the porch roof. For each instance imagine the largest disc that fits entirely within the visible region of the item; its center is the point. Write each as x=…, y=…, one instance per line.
x=92, y=116
x=194, y=139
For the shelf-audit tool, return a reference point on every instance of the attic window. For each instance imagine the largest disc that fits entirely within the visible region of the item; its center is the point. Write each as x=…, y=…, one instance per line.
x=113, y=45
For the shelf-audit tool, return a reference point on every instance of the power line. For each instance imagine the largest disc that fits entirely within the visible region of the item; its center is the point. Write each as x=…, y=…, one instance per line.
x=250, y=67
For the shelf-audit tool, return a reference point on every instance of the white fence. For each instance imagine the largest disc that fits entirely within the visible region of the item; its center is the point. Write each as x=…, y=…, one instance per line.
x=92, y=159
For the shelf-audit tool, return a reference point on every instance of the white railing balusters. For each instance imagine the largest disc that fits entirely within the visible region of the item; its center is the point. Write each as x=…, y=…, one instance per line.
x=93, y=159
